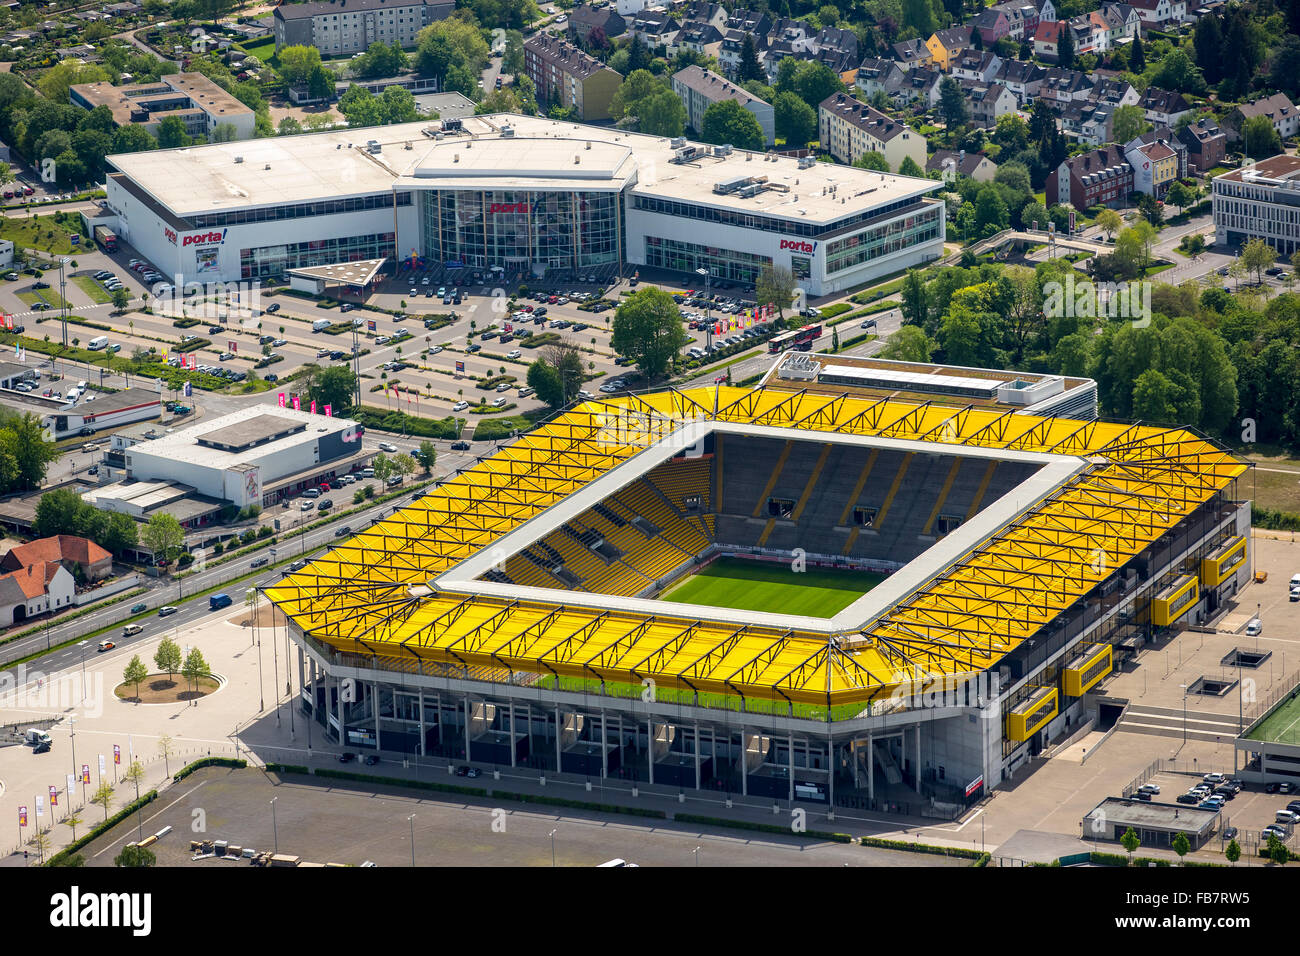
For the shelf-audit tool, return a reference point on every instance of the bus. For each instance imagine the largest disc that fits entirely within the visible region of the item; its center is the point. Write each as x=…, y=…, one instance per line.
x=106, y=239
x=801, y=339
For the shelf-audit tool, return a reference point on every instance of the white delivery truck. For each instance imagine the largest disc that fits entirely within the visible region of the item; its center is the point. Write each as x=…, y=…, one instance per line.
x=320, y=325
x=98, y=343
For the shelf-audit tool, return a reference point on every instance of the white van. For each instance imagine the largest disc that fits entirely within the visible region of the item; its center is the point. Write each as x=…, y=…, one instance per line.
x=1295, y=581
x=98, y=343
x=320, y=325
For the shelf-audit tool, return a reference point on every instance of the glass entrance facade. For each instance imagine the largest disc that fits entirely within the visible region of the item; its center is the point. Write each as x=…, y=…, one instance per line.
x=689, y=256
x=512, y=228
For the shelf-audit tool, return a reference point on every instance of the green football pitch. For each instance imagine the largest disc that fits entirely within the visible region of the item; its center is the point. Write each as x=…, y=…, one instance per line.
x=1282, y=726
x=772, y=587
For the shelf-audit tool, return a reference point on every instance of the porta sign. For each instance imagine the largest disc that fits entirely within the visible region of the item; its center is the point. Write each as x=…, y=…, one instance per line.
x=508, y=207
x=798, y=245
x=204, y=238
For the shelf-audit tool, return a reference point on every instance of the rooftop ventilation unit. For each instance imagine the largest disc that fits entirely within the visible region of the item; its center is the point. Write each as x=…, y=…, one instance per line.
x=507, y=132
x=677, y=142
x=239, y=159
x=807, y=162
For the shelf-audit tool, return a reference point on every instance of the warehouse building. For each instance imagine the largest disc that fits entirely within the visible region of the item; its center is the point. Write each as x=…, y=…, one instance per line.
x=521, y=194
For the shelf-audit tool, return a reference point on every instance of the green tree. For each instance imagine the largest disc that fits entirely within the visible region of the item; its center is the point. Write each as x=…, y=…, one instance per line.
x=382, y=466
x=168, y=657
x=1130, y=842
x=398, y=105
x=73, y=819
x=1109, y=222
x=428, y=455
x=134, y=673
x=909, y=167
x=1194, y=245
x=1233, y=850
x=1177, y=72
x=404, y=465
x=103, y=797
x=136, y=856
x=333, y=385
x=661, y=114
x=991, y=214
x=908, y=344
x=1181, y=845
x=121, y=299
x=360, y=107
x=749, y=68
x=1155, y=398
x=171, y=133
x=1257, y=255
x=1065, y=47
x=648, y=329
x=872, y=160
x=914, y=307
x=195, y=667
x=162, y=534
x=119, y=534
x=545, y=381
x=1137, y=60
x=1261, y=138
x=814, y=82
x=775, y=286
x=297, y=63
x=1150, y=209
x=727, y=122
x=1180, y=195
x=512, y=61
x=1277, y=850
x=1128, y=123
x=795, y=120
x=380, y=60
x=952, y=105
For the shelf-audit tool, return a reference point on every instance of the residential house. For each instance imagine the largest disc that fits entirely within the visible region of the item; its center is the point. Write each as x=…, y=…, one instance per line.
x=1164, y=134
x=700, y=11
x=1061, y=85
x=1123, y=22
x=978, y=65
x=910, y=54
x=945, y=45
x=1158, y=13
x=585, y=18
x=841, y=62
x=992, y=24
x=1100, y=177
x=655, y=28
x=1089, y=123
x=564, y=74
x=876, y=74
x=987, y=102
x=1046, y=36
x=1023, y=78
x=756, y=22
x=1022, y=18
x=924, y=85
x=699, y=89
x=1155, y=167
x=1164, y=107
x=1113, y=92
x=35, y=589
x=1207, y=145
x=1280, y=111
x=848, y=128
x=733, y=43
x=74, y=552
x=698, y=36
x=952, y=163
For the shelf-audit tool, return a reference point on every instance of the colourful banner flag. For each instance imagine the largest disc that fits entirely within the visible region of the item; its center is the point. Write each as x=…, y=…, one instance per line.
x=117, y=754
x=22, y=816
x=329, y=411
x=54, y=796
x=297, y=404
x=282, y=399
x=313, y=406
x=85, y=773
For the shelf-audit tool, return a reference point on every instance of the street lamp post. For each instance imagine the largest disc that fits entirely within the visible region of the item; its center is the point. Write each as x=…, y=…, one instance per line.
x=696, y=853
x=552, y=849
x=708, y=306
x=411, y=821
x=275, y=830
x=82, y=645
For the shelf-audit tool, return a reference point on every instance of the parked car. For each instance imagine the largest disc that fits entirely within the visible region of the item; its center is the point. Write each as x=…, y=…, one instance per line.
x=347, y=757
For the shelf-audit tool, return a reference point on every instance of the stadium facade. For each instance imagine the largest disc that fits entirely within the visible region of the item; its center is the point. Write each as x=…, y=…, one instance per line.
x=523, y=195
x=516, y=614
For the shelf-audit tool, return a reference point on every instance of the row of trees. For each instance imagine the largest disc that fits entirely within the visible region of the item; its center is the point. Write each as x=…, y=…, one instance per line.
x=24, y=453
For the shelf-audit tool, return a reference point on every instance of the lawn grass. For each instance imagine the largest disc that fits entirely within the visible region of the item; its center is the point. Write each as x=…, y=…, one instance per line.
x=38, y=232
x=1276, y=490
x=768, y=586
x=42, y=295
x=264, y=50
x=97, y=292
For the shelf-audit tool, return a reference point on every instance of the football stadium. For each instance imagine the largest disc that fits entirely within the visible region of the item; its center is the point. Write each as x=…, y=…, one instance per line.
x=810, y=594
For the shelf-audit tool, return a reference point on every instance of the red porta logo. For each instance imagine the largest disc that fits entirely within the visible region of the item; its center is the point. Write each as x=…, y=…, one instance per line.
x=798, y=245
x=203, y=238
x=170, y=234
x=507, y=207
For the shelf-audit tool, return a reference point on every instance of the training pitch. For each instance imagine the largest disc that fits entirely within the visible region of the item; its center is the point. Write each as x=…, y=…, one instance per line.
x=1282, y=726
x=767, y=586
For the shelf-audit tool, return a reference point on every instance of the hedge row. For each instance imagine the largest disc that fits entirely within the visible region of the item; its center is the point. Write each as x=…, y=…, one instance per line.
x=983, y=859
x=1118, y=859
x=208, y=762
x=833, y=310
x=922, y=848
x=391, y=421
x=398, y=782
x=1272, y=520
x=286, y=768
x=761, y=827
x=59, y=858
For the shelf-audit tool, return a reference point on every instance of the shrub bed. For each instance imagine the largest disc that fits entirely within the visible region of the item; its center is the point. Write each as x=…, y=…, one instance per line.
x=209, y=762
x=372, y=417
x=61, y=857
x=922, y=848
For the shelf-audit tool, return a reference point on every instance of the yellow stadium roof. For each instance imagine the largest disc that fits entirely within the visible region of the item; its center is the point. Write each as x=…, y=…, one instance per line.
x=375, y=595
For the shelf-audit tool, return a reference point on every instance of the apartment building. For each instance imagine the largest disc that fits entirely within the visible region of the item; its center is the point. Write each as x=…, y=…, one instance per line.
x=699, y=89
x=1259, y=202
x=848, y=128
x=200, y=104
x=337, y=27
x=564, y=74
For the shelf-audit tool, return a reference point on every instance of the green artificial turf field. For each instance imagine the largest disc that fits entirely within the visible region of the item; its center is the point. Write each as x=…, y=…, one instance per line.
x=767, y=586
x=1282, y=726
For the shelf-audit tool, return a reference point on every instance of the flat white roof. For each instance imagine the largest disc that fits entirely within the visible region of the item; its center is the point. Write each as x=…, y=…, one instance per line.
x=184, y=445
x=925, y=380
x=539, y=154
